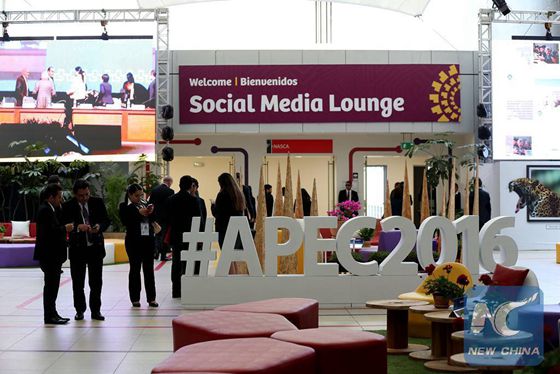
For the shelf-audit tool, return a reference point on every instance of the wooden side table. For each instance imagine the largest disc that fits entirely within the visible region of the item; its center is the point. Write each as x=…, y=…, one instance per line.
x=442, y=328
x=426, y=355
x=397, y=324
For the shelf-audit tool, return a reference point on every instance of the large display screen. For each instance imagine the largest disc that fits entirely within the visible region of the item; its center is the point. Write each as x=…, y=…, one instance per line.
x=77, y=99
x=525, y=100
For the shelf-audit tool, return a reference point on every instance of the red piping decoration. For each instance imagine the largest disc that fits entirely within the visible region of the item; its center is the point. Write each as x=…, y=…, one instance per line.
x=396, y=149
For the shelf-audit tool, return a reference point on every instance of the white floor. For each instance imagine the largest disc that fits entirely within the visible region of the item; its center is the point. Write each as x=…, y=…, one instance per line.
x=134, y=340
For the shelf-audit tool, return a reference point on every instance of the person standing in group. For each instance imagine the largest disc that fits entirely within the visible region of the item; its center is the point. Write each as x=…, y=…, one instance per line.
x=105, y=91
x=458, y=199
x=139, y=220
x=22, y=87
x=158, y=197
x=306, y=202
x=50, y=73
x=87, y=247
x=396, y=198
x=78, y=90
x=152, y=91
x=269, y=199
x=180, y=209
x=50, y=250
x=484, y=205
x=229, y=203
x=348, y=193
x=201, y=204
x=203, y=216
x=44, y=89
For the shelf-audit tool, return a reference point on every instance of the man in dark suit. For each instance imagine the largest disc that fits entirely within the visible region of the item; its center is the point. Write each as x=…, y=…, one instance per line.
x=269, y=199
x=22, y=87
x=203, y=216
x=484, y=206
x=158, y=197
x=347, y=193
x=50, y=250
x=87, y=247
x=180, y=209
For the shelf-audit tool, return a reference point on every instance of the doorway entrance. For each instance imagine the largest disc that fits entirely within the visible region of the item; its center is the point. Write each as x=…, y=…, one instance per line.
x=206, y=169
x=375, y=177
x=310, y=167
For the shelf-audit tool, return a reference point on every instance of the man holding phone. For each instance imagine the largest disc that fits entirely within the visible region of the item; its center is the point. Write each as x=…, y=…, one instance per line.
x=87, y=247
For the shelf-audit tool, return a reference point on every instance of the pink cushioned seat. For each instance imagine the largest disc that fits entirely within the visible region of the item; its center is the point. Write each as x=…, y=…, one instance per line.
x=303, y=313
x=340, y=350
x=214, y=325
x=251, y=355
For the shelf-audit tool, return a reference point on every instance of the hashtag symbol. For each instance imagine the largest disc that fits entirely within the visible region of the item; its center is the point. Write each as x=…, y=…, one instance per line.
x=204, y=254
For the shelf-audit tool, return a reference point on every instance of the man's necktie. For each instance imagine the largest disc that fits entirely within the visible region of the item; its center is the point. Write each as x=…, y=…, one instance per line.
x=85, y=214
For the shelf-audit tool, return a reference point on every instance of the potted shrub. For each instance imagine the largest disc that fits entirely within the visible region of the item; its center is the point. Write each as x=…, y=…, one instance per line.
x=2, y=230
x=444, y=290
x=366, y=233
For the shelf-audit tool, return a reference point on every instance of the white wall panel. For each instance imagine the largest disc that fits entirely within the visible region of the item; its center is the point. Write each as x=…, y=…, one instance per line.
x=324, y=57
x=367, y=57
x=377, y=127
x=237, y=57
x=410, y=57
x=280, y=57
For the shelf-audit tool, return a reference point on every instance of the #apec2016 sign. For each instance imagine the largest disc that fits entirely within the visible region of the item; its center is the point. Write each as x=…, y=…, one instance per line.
x=319, y=93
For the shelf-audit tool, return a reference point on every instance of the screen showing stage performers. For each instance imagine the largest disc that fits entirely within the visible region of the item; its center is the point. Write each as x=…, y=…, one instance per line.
x=77, y=99
x=525, y=99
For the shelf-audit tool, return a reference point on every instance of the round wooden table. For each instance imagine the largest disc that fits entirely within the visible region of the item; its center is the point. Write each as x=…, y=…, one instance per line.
x=442, y=327
x=397, y=324
x=425, y=309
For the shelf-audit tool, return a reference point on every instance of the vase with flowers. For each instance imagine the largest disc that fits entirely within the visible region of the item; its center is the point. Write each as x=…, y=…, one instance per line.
x=343, y=212
x=443, y=289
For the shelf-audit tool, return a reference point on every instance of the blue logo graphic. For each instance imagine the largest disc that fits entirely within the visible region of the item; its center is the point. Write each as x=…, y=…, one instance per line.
x=504, y=326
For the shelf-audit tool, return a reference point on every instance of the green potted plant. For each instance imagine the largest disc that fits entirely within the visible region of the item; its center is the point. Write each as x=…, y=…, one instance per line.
x=444, y=290
x=2, y=230
x=366, y=233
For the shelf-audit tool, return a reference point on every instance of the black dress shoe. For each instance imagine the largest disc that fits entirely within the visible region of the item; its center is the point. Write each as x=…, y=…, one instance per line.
x=136, y=304
x=79, y=316
x=98, y=316
x=153, y=304
x=56, y=321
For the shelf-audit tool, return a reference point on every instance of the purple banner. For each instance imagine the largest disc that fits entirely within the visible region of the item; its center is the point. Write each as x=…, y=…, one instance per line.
x=319, y=93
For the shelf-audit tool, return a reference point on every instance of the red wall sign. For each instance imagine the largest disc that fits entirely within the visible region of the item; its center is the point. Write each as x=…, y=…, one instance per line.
x=299, y=146
x=319, y=93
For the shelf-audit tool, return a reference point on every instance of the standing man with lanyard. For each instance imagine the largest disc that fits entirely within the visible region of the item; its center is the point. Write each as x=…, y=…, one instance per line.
x=50, y=250
x=87, y=247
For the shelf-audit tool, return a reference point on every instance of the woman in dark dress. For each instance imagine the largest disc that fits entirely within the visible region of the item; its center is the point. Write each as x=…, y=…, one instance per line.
x=139, y=242
x=229, y=203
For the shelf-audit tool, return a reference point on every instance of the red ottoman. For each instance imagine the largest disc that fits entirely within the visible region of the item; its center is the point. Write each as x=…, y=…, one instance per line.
x=304, y=313
x=251, y=355
x=214, y=325
x=342, y=350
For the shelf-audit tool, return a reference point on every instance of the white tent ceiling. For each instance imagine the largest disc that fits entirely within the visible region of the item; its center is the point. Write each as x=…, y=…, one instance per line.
x=411, y=7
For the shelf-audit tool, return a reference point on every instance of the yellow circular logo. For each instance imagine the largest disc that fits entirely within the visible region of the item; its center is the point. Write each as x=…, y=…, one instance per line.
x=446, y=96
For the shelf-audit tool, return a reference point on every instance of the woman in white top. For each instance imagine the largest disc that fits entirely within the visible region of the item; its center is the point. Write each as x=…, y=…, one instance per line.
x=78, y=90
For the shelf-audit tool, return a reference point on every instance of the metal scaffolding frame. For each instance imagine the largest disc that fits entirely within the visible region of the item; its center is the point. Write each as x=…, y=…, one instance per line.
x=160, y=16
x=486, y=17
